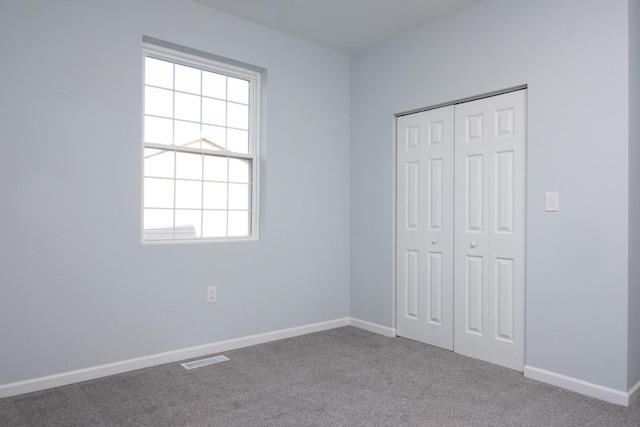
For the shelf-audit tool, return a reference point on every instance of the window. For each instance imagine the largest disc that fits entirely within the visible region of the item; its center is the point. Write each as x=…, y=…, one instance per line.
x=200, y=148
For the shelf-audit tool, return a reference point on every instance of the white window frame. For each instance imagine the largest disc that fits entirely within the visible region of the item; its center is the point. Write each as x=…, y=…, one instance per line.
x=229, y=70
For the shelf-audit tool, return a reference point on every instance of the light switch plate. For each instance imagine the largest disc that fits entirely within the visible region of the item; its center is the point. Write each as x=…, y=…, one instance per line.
x=552, y=201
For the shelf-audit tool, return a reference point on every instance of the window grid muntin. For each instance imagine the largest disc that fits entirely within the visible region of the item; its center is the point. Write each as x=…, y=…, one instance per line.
x=251, y=144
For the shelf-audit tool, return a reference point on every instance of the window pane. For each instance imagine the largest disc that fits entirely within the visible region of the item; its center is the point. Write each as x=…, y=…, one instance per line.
x=238, y=90
x=238, y=170
x=187, y=134
x=238, y=141
x=238, y=196
x=215, y=168
x=157, y=130
x=158, y=102
x=187, y=107
x=158, y=163
x=213, y=111
x=158, y=223
x=215, y=195
x=213, y=137
x=214, y=224
x=238, y=116
x=188, y=166
x=239, y=223
x=188, y=223
x=158, y=218
x=158, y=193
x=158, y=73
x=214, y=85
x=187, y=79
x=188, y=194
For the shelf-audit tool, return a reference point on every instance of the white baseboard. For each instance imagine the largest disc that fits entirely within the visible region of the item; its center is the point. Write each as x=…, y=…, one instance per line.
x=42, y=383
x=583, y=387
x=372, y=327
x=634, y=393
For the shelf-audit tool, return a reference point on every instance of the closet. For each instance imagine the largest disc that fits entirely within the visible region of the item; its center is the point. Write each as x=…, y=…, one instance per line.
x=460, y=237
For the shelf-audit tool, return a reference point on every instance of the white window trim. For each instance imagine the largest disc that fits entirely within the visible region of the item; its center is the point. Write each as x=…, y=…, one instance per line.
x=216, y=66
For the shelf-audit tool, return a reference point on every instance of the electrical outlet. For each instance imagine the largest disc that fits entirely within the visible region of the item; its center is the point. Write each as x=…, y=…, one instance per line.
x=212, y=294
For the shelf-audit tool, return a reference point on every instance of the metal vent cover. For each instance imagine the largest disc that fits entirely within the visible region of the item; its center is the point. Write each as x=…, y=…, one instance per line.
x=204, y=362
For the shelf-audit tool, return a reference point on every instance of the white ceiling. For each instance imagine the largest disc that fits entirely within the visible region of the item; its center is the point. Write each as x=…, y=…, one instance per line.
x=345, y=25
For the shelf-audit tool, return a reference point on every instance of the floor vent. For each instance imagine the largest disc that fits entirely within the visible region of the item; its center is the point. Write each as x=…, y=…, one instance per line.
x=204, y=362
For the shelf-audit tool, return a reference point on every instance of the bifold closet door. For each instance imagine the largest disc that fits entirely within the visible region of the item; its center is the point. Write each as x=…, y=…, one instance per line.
x=490, y=190
x=425, y=150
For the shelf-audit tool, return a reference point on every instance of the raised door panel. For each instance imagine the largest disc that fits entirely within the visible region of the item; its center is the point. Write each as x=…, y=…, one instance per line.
x=503, y=212
x=474, y=193
x=434, y=289
x=474, y=295
x=503, y=282
x=412, y=196
x=435, y=197
x=412, y=285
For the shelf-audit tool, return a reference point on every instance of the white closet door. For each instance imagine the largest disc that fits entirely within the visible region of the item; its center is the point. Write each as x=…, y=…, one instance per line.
x=490, y=141
x=425, y=227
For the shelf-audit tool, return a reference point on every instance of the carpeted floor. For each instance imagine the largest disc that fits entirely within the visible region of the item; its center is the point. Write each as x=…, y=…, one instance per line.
x=341, y=377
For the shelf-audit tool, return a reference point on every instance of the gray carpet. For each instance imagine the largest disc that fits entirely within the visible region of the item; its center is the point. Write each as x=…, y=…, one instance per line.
x=342, y=377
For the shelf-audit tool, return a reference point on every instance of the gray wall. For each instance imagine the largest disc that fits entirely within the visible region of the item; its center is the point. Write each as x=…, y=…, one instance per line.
x=77, y=289
x=634, y=193
x=573, y=55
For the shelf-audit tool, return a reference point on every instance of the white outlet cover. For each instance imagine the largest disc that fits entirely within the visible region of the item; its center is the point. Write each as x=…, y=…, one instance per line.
x=212, y=294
